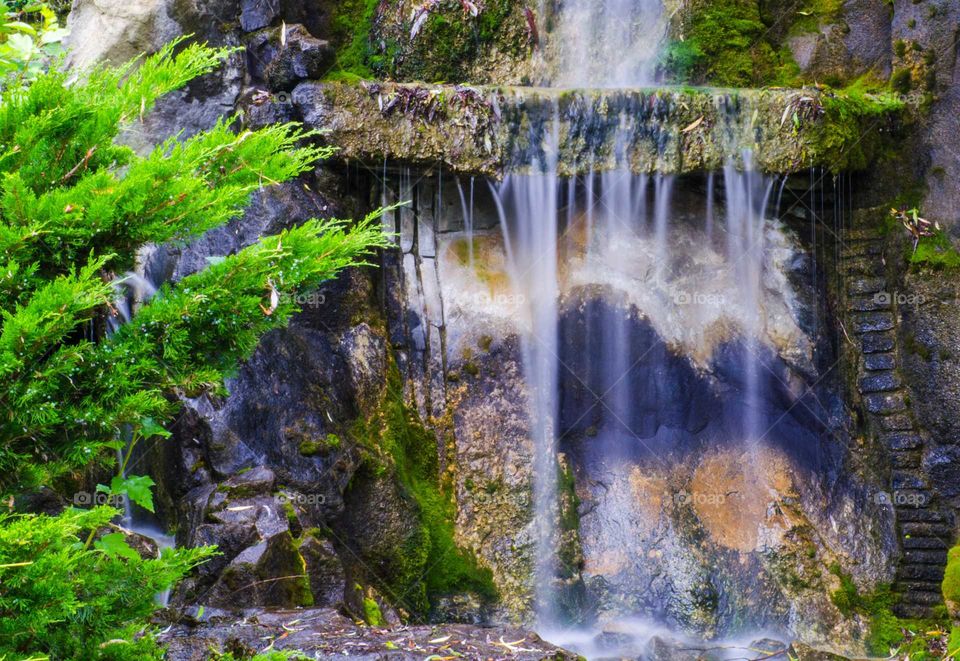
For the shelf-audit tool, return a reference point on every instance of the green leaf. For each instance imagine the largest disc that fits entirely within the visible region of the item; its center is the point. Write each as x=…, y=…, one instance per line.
x=137, y=488
x=149, y=428
x=115, y=545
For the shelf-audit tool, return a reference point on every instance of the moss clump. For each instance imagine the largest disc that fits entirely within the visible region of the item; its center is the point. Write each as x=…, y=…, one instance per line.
x=371, y=612
x=727, y=45
x=311, y=448
x=838, y=139
x=886, y=630
x=951, y=578
x=935, y=252
x=350, y=29
x=450, y=41
x=395, y=435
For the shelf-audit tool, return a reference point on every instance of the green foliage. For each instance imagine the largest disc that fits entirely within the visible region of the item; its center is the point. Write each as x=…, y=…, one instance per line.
x=30, y=36
x=886, y=630
x=58, y=599
x=74, y=209
x=845, y=137
x=682, y=59
x=396, y=432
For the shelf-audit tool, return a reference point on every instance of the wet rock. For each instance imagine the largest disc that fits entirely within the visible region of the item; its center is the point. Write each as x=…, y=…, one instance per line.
x=281, y=65
x=877, y=342
x=324, y=633
x=803, y=652
x=256, y=481
x=271, y=574
x=325, y=570
x=869, y=322
x=879, y=361
x=942, y=465
x=885, y=403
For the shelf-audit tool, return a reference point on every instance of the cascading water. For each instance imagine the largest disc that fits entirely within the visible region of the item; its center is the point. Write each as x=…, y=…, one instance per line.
x=132, y=291
x=611, y=43
x=529, y=215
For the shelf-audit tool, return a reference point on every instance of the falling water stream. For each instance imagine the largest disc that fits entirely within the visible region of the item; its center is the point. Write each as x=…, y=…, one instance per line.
x=132, y=291
x=614, y=43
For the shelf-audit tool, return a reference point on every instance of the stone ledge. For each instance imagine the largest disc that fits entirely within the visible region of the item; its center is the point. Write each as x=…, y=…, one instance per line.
x=493, y=130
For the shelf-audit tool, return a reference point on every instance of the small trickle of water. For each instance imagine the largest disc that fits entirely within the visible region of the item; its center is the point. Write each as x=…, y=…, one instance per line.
x=528, y=207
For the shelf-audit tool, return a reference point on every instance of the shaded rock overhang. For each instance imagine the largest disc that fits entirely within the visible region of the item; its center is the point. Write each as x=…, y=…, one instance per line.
x=490, y=131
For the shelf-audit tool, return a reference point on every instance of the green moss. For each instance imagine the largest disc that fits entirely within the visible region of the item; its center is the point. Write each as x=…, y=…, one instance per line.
x=310, y=448
x=727, y=44
x=886, y=629
x=953, y=644
x=350, y=30
x=935, y=252
x=838, y=138
x=371, y=612
x=951, y=577
x=450, y=41
x=395, y=433
x=901, y=81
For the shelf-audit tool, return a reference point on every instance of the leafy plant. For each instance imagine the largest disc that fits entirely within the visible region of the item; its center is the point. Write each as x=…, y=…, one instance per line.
x=75, y=207
x=30, y=36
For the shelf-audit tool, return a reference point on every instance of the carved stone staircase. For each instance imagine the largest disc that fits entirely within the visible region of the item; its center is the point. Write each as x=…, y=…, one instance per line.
x=924, y=529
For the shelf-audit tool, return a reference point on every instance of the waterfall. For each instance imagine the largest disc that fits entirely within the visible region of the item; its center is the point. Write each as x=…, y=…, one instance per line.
x=132, y=291
x=528, y=207
x=607, y=43
x=748, y=195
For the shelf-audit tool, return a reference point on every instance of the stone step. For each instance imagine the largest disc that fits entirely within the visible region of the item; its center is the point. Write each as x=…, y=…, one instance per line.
x=869, y=266
x=923, y=594
x=868, y=303
x=907, y=480
x=905, y=460
x=865, y=286
x=924, y=543
x=912, y=611
x=927, y=573
x=928, y=529
x=895, y=422
x=866, y=233
x=879, y=361
x=914, y=557
x=870, y=322
x=886, y=403
x=880, y=382
x=901, y=441
x=926, y=516
x=876, y=342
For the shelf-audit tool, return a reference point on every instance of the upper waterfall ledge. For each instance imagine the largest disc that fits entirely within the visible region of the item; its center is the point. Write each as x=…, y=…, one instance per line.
x=493, y=130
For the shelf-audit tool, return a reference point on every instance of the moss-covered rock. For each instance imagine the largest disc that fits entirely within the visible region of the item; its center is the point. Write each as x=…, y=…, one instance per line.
x=488, y=131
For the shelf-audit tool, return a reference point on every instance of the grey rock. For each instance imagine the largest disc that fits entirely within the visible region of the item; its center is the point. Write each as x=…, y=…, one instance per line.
x=282, y=65
x=880, y=382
